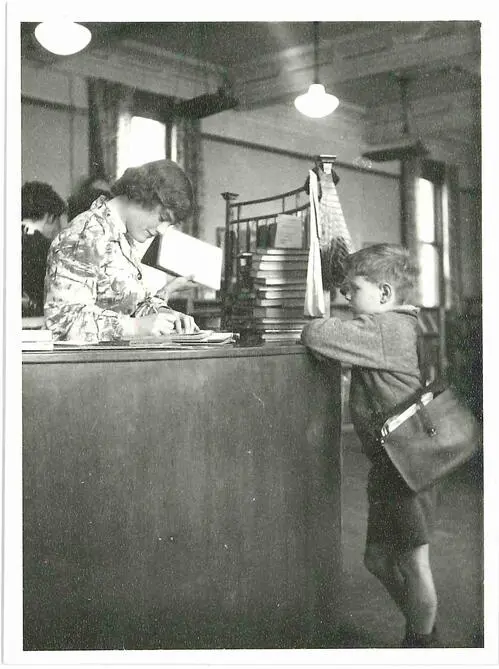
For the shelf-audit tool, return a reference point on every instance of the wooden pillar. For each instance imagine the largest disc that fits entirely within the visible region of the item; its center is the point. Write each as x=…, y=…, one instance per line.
x=228, y=259
x=410, y=172
x=455, y=286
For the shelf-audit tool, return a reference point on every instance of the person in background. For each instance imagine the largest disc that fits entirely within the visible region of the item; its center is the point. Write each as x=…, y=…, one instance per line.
x=94, y=286
x=85, y=193
x=380, y=343
x=41, y=211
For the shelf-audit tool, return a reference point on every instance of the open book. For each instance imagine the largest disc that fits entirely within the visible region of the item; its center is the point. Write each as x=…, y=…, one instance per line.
x=187, y=256
x=154, y=279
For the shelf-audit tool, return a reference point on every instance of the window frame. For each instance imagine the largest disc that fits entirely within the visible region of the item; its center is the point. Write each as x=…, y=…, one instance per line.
x=434, y=172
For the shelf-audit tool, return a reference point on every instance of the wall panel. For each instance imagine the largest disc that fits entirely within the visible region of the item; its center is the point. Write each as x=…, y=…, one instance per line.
x=471, y=243
x=54, y=144
x=46, y=142
x=370, y=202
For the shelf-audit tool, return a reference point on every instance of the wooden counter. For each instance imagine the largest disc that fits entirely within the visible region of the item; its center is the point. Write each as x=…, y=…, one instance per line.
x=180, y=499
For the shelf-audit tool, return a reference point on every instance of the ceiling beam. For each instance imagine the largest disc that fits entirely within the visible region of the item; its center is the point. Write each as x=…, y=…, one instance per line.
x=290, y=72
x=428, y=117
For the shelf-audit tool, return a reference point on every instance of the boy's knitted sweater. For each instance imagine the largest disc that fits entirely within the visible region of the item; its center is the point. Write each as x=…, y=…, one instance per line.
x=382, y=350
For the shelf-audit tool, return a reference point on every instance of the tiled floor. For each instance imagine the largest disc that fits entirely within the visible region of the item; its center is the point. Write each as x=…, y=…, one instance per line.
x=371, y=620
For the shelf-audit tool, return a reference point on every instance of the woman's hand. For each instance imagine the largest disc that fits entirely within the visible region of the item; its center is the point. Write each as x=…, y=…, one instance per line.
x=163, y=323
x=183, y=323
x=179, y=284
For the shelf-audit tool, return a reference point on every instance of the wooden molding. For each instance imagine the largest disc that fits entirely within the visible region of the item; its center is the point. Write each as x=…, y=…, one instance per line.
x=349, y=58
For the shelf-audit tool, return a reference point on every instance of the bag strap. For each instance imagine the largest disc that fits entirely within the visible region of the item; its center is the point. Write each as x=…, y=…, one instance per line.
x=428, y=425
x=414, y=404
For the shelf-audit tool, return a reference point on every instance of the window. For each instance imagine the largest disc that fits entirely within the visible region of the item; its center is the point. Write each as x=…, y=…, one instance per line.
x=427, y=246
x=432, y=238
x=141, y=140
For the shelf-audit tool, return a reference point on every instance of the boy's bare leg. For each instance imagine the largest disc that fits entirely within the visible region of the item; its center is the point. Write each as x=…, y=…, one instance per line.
x=382, y=563
x=421, y=597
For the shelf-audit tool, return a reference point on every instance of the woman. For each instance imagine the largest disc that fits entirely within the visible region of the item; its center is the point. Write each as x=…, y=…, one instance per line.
x=94, y=286
x=42, y=209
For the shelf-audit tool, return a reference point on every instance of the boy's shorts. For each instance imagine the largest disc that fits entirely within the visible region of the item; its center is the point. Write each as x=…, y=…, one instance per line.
x=397, y=516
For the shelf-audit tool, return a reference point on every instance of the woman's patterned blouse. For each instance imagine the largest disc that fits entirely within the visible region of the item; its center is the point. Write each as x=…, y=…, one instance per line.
x=93, y=282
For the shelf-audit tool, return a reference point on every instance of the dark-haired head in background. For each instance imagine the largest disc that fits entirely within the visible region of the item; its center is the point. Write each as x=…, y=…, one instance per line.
x=86, y=192
x=41, y=210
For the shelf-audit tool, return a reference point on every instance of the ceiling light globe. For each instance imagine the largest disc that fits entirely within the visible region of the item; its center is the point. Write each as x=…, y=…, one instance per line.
x=316, y=103
x=62, y=37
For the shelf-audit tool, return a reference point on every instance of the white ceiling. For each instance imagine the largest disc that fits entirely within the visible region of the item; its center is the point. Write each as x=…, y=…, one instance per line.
x=361, y=62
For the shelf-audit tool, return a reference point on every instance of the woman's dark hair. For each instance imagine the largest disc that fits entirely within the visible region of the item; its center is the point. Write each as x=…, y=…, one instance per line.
x=38, y=199
x=88, y=190
x=162, y=181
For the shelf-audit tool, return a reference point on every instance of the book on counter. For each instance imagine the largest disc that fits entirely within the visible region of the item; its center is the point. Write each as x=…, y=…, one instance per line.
x=279, y=312
x=202, y=337
x=284, y=335
x=281, y=252
x=265, y=280
x=280, y=293
x=246, y=305
x=265, y=261
x=37, y=346
x=274, y=305
x=289, y=262
x=280, y=302
x=298, y=275
x=173, y=340
x=270, y=312
x=277, y=268
x=262, y=324
x=37, y=340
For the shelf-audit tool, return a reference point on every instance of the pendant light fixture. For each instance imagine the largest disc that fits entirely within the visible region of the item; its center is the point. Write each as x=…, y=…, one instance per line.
x=316, y=103
x=62, y=37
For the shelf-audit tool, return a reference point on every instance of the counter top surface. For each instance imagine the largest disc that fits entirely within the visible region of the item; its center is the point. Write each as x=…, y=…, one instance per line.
x=113, y=353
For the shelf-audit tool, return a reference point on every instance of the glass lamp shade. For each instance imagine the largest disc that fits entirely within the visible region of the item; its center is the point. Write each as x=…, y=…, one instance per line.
x=62, y=37
x=316, y=103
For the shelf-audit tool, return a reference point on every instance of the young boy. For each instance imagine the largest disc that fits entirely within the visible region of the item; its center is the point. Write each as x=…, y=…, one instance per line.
x=380, y=343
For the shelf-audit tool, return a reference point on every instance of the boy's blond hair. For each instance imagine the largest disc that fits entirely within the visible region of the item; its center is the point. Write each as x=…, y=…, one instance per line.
x=386, y=262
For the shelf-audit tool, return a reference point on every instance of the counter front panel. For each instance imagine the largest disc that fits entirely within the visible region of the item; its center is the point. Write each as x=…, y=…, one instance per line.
x=180, y=501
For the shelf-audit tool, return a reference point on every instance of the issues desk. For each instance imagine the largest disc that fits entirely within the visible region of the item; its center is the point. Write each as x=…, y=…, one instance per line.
x=180, y=499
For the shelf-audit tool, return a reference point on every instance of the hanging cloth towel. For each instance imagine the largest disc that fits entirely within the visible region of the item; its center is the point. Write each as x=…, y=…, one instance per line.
x=314, y=296
x=334, y=238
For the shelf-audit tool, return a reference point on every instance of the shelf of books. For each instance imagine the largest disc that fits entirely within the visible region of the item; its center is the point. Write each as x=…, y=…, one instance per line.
x=269, y=305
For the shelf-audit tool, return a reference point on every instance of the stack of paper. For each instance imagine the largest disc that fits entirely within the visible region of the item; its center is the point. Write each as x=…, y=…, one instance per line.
x=176, y=340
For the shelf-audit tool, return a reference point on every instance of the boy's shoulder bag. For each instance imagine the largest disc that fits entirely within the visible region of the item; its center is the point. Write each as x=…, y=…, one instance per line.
x=430, y=435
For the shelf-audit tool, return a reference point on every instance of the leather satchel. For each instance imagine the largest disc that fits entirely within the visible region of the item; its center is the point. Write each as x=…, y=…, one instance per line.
x=430, y=435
